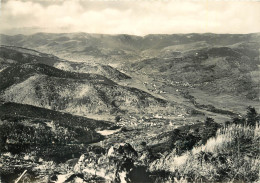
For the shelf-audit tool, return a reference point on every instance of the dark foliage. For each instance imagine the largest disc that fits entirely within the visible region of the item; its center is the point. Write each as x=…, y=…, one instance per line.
x=10, y=110
x=251, y=118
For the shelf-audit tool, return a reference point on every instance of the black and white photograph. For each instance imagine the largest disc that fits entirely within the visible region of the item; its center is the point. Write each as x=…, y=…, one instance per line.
x=129, y=91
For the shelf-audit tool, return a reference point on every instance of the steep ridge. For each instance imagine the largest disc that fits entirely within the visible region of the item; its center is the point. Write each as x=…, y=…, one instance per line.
x=76, y=93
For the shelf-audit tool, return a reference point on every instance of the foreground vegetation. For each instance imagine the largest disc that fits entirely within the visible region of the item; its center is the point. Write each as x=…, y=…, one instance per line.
x=232, y=155
x=203, y=152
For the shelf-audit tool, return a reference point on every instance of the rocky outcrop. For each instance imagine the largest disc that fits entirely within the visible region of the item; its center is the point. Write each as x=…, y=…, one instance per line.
x=113, y=164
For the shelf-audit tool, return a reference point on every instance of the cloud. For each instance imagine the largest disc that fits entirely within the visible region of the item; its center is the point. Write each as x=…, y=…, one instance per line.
x=131, y=17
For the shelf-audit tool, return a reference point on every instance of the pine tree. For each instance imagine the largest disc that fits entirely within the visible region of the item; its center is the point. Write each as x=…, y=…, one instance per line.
x=252, y=118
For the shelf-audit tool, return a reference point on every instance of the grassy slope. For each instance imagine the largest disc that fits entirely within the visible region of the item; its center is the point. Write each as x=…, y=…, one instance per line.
x=232, y=154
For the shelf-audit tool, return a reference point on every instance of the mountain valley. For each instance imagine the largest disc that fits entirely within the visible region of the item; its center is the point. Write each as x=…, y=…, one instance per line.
x=78, y=107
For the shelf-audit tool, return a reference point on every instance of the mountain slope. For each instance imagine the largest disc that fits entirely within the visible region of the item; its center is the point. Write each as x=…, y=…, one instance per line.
x=219, y=70
x=20, y=72
x=77, y=93
x=10, y=110
x=10, y=55
x=49, y=134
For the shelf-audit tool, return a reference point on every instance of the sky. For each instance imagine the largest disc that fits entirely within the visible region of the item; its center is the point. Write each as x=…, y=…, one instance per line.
x=135, y=17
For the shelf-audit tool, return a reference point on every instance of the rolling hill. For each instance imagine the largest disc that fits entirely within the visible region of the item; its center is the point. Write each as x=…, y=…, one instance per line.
x=216, y=70
x=11, y=54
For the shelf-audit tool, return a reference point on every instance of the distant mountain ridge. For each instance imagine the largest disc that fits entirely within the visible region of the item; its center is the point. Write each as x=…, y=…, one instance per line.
x=116, y=48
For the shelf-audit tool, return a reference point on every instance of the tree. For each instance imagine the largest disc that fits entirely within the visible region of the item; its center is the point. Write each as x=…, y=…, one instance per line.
x=252, y=118
x=118, y=118
x=209, y=121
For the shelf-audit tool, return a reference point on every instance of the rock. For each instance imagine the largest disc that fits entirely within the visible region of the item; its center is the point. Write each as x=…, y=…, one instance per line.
x=54, y=178
x=114, y=165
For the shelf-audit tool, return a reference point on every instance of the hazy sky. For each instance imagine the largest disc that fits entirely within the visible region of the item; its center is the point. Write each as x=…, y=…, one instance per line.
x=130, y=17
